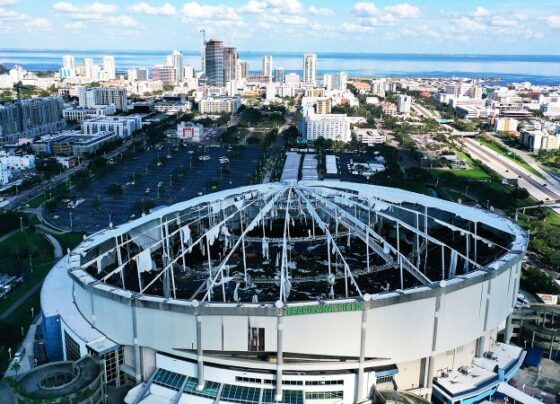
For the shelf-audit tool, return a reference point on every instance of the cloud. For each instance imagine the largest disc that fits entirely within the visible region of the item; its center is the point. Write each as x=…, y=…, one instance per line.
x=320, y=11
x=11, y=15
x=365, y=10
x=145, y=8
x=38, y=24
x=195, y=11
x=466, y=24
x=481, y=12
x=293, y=20
x=404, y=10
x=93, y=11
x=122, y=21
x=354, y=28
x=8, y=2
x=553, y=21
x=280, y=7
x=74, y=26
x=499, y=21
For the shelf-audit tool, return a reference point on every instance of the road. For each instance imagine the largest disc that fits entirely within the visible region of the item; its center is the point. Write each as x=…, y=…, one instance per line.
x=508, y=169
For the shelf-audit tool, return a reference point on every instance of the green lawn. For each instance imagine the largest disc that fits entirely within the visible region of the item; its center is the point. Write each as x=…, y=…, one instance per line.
x=19, y=318
x=69, y=240
x=506, y=153
x=15, y=254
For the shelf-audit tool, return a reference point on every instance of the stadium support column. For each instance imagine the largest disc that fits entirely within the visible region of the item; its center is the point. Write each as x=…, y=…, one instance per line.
x=509, y=330
x=432, y=358
x=360, y=393
x=482, y=340
x=137, y=360
x=279, y=358
x=199, y=360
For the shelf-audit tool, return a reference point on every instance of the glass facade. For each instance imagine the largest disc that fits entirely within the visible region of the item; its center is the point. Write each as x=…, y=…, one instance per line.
x=72, y=348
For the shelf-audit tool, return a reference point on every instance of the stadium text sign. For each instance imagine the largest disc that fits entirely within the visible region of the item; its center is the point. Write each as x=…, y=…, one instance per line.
x=321, y=309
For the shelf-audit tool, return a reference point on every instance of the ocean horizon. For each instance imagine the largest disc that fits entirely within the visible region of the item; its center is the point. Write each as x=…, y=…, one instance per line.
x=505, y=69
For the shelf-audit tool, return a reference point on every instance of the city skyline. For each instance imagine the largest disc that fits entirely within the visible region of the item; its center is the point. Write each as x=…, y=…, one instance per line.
x=472, y=27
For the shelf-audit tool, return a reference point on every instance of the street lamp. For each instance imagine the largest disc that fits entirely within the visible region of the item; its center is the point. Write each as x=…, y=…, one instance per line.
x=32, y=312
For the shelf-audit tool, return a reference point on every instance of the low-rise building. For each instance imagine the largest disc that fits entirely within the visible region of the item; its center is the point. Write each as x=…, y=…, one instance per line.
x=537, y=140
x=508, y=125
x=79, y=114
x=73, y=143
x=12, y=164
x=123, y=126
x=219, y=105
x=189, y=131
x=389, y=108
x=370, y=136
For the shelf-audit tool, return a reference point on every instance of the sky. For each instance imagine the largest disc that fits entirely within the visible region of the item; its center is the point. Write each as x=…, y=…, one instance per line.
x=382, y=26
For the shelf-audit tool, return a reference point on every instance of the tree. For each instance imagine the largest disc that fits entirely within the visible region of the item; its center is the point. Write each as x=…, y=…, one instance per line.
x=114, y=190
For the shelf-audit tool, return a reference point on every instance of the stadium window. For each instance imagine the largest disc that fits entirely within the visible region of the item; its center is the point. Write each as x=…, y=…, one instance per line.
x=72, y=348
x=256, y=339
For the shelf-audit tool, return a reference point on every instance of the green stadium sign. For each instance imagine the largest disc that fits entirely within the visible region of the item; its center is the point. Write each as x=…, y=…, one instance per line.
x=324, y=308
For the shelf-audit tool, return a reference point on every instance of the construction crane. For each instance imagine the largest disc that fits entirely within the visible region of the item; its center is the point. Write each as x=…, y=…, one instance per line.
x=203, y=31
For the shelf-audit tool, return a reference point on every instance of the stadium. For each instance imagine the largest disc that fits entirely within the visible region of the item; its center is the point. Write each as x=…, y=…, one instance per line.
x=313, y=292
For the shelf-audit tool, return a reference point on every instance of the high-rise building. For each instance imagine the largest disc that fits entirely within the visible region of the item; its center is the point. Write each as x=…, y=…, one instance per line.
x=176, y=60
x=30, y=117
x=339, y=81
x=92, y=97
x=230, y=63
x=327, y=81
x=214, y=63
x=88, y=68
x=404, y=103
x=68, y=62
x=109, y=67
x=165, y=73
x=188, y=72
x=267, y=66
x=309, y=68
x=278, y=75
x=137, y=74
x=242, y=70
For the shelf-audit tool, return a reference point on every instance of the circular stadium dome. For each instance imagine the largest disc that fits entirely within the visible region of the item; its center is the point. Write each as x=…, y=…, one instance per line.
x=266, y=281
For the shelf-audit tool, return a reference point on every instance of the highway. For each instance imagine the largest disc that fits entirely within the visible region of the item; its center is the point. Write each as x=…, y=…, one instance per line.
x=509, y=169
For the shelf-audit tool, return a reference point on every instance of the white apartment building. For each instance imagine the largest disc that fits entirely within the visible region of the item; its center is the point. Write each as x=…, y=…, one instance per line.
x=537, y=140
x=10, y=164
x=218, y=105
x=267, y=67
x=309, y=68
x=81, y=114
x=95, y=96
x=339, y=81
x=123, y=126
x=189, y=131
x=109, y=68
x=404, y=103
x=328, y=126
x=508, y=125
x=551, y=108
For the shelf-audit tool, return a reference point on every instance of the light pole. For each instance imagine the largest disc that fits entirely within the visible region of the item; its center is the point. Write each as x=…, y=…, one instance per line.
x=21, y=224
x=32, y=313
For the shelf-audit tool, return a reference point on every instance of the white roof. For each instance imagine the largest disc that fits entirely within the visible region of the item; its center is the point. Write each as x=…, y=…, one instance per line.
x=516, y=394
x=57, y=299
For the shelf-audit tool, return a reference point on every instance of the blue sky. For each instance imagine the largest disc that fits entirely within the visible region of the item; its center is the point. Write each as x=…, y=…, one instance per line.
x=421, y=26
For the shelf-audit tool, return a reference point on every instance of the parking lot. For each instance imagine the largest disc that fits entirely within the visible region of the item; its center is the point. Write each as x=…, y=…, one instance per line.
x=163, y=175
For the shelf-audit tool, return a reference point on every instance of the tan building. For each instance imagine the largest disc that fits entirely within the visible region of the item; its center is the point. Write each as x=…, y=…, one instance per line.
x=323, y=106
